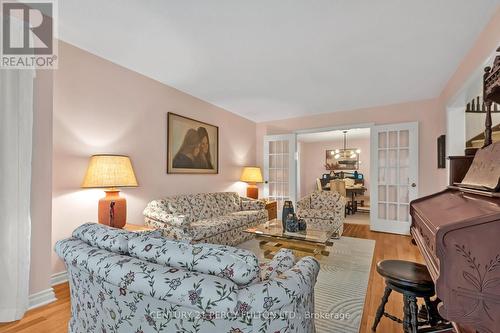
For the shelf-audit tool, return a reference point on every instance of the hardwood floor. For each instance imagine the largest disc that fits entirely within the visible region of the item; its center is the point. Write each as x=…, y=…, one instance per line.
x=54, y=317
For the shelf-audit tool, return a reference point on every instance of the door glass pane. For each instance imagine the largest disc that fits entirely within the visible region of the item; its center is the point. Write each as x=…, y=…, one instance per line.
x=272, y=147
x=382, y=158
x=392, y=194
x=382, y=211
x=392, y=212
x=392, y=174
x=393, y=139
x=393, y=158
x=381, y=193
x=403, y=176
x=381, y=176
x=404, y=194
x=404, y=213
x=404, y=158
x=404, y=138
x=382, y=140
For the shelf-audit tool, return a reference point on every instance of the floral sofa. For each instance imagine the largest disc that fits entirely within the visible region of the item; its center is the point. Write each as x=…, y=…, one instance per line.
x=323, y=209
x=126, y=282
x=218, y=218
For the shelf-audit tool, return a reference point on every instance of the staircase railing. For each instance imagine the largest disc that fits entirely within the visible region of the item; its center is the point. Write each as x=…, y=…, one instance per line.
x=476, y=105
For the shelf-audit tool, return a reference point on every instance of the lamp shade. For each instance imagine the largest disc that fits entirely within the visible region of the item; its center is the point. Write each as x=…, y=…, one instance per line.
x=251, y=175
x=109, y=171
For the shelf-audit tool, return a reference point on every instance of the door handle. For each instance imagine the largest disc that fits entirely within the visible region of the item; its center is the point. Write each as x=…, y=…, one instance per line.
x=413, y=185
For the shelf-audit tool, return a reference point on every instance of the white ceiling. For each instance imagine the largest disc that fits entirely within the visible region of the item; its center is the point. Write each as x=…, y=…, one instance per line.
x=271, y=59
x=352, y=134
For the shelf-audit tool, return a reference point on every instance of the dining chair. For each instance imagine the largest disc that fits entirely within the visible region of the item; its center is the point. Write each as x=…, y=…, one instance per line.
x=339, y=186
x=318, y=184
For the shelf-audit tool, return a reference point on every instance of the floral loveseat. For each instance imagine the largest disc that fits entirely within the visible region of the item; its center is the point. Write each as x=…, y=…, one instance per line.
x=323, y=209
x=127, y=282
x=218, y=218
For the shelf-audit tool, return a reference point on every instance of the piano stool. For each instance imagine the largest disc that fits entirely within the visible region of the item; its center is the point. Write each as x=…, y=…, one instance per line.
x=413, y=281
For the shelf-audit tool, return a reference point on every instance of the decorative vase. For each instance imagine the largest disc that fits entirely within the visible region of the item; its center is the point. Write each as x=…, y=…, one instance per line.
x=292, y=224
x=302, y=225
x=287, y=209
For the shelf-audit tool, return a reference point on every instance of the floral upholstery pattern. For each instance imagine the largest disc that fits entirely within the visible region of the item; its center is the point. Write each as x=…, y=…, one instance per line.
x=282, y=261
x=204, y=206
x=116, y=292
x=323, y=209
x=238, y=265
x=229, y=202
x=214, y=217
x=108, y=238
x=250, y=204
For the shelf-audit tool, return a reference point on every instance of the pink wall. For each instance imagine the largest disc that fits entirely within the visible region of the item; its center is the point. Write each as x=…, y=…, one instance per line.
x=428, y=113
x=312, y=161
x=41, y=187
x=100, y=107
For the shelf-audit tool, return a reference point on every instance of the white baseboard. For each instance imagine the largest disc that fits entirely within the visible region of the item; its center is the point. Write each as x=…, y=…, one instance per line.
x=59, y=278
x=41, y=298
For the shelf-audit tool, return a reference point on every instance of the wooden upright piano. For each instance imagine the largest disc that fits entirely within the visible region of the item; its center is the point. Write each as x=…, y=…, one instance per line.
x=458, y=232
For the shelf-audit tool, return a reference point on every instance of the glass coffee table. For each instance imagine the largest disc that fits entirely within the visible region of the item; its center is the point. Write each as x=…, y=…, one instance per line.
x=311, y=242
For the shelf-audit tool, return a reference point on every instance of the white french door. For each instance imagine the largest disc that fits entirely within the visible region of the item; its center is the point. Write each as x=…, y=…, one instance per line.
x=394, y=176
x=280, y=168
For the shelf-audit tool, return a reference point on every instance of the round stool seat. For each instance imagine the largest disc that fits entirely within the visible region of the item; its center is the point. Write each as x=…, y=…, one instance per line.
x=406, y=273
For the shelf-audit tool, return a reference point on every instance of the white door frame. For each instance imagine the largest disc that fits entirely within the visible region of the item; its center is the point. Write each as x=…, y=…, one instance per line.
x=385, y=225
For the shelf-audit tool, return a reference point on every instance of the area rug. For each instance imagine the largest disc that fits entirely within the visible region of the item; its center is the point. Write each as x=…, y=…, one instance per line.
x=340, y=291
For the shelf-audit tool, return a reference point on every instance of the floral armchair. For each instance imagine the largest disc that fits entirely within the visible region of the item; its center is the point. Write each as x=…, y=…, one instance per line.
x=124, y=282
x=323, y=209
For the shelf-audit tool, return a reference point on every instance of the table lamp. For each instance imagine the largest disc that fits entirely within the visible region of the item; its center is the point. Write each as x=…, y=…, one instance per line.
x=110, y=172
x=252, y=175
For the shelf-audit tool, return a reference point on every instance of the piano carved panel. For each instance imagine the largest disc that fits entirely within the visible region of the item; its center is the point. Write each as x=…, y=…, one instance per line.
x=458, y=235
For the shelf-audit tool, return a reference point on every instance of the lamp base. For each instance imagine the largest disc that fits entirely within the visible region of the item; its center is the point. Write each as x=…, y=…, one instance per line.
x=113, y=209
x=252, y=191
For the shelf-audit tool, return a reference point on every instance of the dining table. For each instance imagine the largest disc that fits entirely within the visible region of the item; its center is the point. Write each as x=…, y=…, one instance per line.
x=351, y=191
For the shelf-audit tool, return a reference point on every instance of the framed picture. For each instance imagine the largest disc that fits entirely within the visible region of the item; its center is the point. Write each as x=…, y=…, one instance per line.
x=192, y=146
x=342, y=159
x=441, y=145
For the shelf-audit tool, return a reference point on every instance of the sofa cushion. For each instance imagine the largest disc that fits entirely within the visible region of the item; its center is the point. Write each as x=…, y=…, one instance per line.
x=203, y=206
x=228, y=202
x=251, y=215
x=180, y=205
x=104, y=237
x=216, y=225
x=238, y=265
x=325, y=200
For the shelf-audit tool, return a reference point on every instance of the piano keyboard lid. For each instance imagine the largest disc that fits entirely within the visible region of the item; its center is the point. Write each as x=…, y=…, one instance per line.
x=451, y=207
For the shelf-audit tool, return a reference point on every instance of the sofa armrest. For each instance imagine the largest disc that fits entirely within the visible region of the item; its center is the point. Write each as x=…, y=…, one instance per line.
x=252, y=204
x=281, y=262
x=156, y=210
x=304, y=203
x=294, y=285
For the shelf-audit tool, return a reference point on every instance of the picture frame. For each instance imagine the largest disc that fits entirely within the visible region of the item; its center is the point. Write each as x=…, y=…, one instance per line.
x=192, y=146
x=441, y=151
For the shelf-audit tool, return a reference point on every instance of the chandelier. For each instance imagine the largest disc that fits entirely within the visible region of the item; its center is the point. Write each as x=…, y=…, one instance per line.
x=345, y=156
